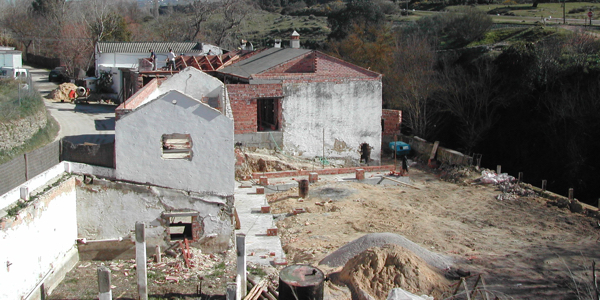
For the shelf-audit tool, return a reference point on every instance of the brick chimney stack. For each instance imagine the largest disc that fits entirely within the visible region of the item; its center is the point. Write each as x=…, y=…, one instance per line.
x=295, y=40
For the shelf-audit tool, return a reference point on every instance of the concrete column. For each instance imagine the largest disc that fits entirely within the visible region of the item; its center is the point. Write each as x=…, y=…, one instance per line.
x=231, y=291
x=520, y=177
x=302, y=188
x=157, y=253
x=571, y=193
x=24, y=193
x=240, y=244
x=313, y=177
x=67, y=167
x=140, y=260
x=104, y=291
x=544, y=183
x=360, y=174
x=498, y=169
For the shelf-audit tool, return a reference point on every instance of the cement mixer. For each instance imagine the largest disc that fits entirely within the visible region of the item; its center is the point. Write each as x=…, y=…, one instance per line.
x=80, y=94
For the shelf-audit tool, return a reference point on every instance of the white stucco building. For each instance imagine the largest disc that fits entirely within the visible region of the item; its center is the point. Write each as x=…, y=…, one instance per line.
x=309, y=103
x=122, y=57
x=9, y=57
x=170, y=136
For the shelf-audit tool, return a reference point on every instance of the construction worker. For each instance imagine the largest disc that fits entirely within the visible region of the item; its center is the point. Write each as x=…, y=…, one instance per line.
x=171, y=60
x=153, y=59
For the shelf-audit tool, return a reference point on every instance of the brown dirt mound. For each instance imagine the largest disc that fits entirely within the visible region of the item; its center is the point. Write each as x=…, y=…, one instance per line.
x=377, y=270
x=61, y=93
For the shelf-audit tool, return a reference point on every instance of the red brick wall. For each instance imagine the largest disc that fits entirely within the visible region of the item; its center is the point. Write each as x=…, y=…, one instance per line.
x=243, y=103
x=134, y=101
x=391, y=121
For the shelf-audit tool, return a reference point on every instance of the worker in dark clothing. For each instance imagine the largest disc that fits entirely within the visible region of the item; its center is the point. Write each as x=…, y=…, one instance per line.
x=404, y=166
x=153, y=59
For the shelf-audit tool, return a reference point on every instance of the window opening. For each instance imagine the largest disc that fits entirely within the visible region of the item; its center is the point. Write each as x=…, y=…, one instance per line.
x=177, y=146
x=180, y=228
x=267, y=114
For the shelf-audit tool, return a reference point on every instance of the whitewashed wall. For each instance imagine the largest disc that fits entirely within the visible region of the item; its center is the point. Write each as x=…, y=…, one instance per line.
x=350, y=114
x=108, y=210
x=39, y=244
x=138, y=146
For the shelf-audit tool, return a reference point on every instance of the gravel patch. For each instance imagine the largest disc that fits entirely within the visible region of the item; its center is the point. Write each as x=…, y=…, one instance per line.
x=342, y=255
x=333, y=193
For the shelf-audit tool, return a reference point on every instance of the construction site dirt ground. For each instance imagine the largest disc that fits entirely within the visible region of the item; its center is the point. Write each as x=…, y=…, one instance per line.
x=525, y=248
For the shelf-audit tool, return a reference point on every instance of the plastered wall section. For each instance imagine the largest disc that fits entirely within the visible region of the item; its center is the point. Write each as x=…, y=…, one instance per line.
x=348, y=112
x=39, y=243
x=109, y=210
x=138, y=146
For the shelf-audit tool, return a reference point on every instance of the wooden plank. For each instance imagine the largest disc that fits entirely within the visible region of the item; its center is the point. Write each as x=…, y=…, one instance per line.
x=434, y=150
x=404, y=183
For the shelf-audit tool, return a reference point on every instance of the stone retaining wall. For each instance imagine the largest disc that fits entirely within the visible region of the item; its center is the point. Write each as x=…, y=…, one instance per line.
x=15, y=133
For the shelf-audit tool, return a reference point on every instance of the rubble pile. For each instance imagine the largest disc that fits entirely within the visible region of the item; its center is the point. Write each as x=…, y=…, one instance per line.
x=61, y=93
x=457, y=174
x=513, y=191
x=508, y=185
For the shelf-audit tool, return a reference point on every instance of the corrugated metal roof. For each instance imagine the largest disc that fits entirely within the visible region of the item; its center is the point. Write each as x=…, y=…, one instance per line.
x=143, y=47
x=262, y=61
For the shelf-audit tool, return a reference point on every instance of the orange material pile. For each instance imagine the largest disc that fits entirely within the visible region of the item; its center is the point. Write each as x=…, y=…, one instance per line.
x=61, y=93
x=377, y=270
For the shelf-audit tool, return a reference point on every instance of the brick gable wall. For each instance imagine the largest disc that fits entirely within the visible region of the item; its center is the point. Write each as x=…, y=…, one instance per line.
x=244, y=105
x=391, y=121
x=134, y=101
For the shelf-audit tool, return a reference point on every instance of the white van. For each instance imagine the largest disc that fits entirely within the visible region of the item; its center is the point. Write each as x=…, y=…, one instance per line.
x=14, y=73
x=20, y=74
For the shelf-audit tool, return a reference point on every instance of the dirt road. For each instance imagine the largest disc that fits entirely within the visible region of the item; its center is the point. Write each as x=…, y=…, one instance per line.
x=79, y=123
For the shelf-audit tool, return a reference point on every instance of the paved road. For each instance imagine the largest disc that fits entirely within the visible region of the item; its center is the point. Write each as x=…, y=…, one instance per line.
x=79, y=123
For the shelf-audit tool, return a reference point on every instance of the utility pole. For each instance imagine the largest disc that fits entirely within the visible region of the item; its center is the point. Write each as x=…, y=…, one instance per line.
x=564, y=14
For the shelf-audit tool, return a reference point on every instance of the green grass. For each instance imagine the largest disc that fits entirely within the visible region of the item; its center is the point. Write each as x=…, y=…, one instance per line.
x=496, y=36
x=15, y=103
x=257, y=271
x=544, y=10
x=263, y=27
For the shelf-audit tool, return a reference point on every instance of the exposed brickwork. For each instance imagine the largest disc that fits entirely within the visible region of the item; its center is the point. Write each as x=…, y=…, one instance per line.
x=391, y=121
x=196, y=229
x=333, y=171
x=243, y=103
x=317, y=67
x=134, y=101
x=360, y=174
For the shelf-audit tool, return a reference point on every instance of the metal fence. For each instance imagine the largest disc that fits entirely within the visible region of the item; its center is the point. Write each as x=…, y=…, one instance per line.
x=28, y=165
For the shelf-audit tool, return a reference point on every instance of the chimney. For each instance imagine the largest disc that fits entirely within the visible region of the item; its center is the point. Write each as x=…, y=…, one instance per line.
x=295, y=40
x=277, y=43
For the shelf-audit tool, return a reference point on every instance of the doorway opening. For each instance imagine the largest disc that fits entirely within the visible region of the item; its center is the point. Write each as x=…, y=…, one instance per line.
x=267, y=114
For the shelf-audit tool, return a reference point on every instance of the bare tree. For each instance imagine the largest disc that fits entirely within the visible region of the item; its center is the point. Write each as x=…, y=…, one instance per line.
x=472, y=99
x=198, y=13
x=414, y=83
x=20, y=22
x=233, y=13
x=76, y=46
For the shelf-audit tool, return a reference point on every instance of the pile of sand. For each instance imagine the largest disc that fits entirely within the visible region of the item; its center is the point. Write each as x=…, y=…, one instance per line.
x=376, y=271
x=61, y=93
x=340, y=256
